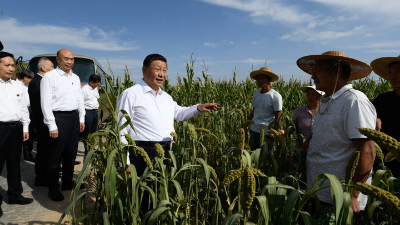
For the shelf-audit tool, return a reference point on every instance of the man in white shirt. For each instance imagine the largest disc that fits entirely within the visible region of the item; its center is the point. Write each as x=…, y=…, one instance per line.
x=64, y=114
x=335, y=135
x=153, y=111
x=44, y=140
x=91, y=95
x=14, y=123
x=267, y=106
x=24, y=78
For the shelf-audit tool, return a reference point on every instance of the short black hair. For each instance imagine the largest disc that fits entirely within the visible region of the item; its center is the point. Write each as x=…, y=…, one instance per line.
x=5, y=54
x=25, y=73
x=153, y=57
x=94, y=78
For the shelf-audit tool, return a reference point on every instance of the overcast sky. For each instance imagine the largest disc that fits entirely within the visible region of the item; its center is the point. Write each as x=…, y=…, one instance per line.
x=222, y=35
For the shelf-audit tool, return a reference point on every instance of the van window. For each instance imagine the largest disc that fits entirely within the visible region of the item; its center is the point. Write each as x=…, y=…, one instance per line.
x=82, y=67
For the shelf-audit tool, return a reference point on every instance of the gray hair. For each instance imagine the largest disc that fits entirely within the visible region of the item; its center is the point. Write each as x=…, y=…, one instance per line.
x=41, y=61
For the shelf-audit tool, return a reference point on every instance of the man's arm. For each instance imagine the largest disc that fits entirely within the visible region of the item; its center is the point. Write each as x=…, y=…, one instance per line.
x=47, y=110
x=366, y=148
x=277, y=115
x=250, y=117
x=207, y=106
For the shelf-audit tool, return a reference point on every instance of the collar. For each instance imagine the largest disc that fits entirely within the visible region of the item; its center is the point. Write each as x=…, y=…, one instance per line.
x=8, y=81
x=62, y=73
x=90, y=88
x=146, y=88
x=40, y=74
x=337, y=94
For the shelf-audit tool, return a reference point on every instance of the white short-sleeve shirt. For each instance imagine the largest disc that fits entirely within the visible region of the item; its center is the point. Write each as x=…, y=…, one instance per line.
x=331, y=145
x=264, y=107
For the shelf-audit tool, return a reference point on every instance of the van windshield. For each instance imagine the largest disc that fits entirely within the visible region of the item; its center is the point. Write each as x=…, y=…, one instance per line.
x=82, y=67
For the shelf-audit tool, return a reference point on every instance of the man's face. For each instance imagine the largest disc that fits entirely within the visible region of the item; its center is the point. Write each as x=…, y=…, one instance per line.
x=262, y=80
x=47, y=66
x=323, y=79
x=156, y=74
x=65, y=60
x=26, y=81
x=394, y=75
x=7, y=68
x=312, y=96
x=93, y=84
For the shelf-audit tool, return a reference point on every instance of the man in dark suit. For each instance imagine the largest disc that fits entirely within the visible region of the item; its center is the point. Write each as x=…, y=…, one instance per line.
x=44, y=140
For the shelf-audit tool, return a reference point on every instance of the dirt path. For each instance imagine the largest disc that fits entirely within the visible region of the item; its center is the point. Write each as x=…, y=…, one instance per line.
x=42, y=210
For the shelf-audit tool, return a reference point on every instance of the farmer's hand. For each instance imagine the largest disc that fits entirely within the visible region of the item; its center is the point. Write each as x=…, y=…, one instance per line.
x=355, y=205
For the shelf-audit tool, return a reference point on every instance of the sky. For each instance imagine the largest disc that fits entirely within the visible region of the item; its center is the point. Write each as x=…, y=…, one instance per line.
x=222, y=36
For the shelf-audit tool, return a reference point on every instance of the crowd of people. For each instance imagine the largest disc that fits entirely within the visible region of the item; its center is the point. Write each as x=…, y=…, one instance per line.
x=326, y=126
x=53, y=103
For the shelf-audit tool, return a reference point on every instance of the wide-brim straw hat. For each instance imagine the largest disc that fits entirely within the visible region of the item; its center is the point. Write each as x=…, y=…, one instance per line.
x=359, y=69
x=264, y=71
x=380, y=66
x=305, y=88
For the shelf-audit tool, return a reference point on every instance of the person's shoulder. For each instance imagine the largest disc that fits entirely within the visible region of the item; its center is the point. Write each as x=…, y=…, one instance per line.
x=131, y=90
x=356, y=95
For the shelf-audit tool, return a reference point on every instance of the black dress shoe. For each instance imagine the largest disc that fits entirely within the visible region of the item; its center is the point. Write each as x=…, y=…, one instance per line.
x=72, y=186
x=1, y=212
x=56, y=195
x=20, y=201
x=77, y=162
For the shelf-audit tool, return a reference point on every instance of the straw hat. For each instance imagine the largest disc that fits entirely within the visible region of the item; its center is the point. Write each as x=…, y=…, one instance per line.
x=380, y=66
x=264, y=71
x=305, y=88
x=359, y=69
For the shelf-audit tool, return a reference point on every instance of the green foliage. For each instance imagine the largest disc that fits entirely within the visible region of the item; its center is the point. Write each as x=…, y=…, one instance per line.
x=183, y=185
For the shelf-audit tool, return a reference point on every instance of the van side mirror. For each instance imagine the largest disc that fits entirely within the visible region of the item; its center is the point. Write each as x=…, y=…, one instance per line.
x=19, y=61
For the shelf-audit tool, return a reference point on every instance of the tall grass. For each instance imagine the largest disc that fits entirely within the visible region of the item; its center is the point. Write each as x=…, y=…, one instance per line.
x=189, y=185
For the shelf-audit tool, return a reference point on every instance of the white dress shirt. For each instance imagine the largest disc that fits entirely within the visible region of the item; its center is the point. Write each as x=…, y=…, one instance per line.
x=12, y=103
x=90, y=97
x=60, y=92
x=152, y=114
x=25, y=88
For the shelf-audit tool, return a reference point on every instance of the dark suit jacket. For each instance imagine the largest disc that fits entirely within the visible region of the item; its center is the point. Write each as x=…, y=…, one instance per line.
x=34, y=96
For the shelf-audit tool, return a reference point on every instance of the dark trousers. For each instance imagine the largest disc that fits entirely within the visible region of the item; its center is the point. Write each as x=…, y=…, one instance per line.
x=63, y=149
x=141, y=165
x=91, y=121
x=10, y=153
x=27, y=145
x=43, y=151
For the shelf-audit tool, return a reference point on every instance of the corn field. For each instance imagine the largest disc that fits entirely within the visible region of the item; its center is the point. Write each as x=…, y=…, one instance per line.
x=211, y=176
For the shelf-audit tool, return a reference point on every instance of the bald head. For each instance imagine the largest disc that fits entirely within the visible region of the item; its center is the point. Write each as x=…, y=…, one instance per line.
x=65, y=60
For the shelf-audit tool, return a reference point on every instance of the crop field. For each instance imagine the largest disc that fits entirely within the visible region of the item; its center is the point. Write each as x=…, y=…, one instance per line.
x=212, y=177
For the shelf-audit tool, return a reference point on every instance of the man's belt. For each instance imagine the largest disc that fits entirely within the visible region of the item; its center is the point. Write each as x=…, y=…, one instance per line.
x=11, y=123
x=66, y=112
x=152, y=143
x=91, y=109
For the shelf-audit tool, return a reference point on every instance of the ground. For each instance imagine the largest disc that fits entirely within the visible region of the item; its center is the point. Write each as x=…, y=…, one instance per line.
x=42, y=210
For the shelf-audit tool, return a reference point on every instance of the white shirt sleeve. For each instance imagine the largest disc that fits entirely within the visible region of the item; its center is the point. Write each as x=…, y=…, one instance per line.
x=81, y=107
x=24, y=114
x=46, y=94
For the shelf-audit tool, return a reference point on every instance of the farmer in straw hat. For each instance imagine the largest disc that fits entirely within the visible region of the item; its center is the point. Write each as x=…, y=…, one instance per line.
x=267, y=106
x=335, y=135
x=388, y=104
